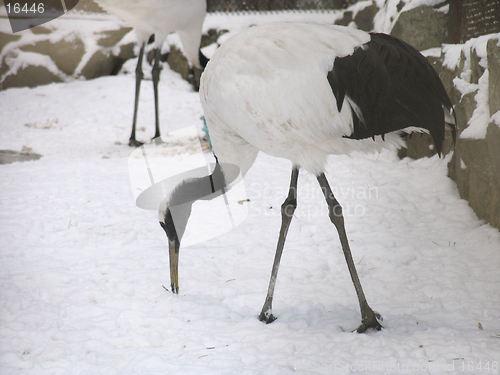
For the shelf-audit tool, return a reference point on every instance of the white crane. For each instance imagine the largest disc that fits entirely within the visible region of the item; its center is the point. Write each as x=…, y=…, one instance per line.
x=303, y=91
x=160, y=18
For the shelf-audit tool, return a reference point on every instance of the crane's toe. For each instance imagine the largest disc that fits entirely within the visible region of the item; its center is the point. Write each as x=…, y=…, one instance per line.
x=267, y=317
x=370, y=323
x=134, y=143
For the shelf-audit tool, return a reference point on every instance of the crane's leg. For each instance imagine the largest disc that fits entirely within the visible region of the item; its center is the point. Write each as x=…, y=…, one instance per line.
x=138, y=78
x=156, y=78
x=287, y=210
x=368, y=316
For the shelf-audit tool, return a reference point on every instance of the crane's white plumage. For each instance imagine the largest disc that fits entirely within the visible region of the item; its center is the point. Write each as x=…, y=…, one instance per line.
x=266, y=89
x=160, y=18
x=302, y=91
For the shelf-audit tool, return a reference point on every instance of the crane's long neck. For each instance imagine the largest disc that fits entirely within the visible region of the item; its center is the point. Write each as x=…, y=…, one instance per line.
x=174, y=211
x=193, y=189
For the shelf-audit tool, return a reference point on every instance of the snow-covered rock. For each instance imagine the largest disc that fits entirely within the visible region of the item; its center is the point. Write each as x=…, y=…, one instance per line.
x=476, y=162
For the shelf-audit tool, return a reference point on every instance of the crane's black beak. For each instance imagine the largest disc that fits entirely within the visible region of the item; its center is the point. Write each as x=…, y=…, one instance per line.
x=173, y=251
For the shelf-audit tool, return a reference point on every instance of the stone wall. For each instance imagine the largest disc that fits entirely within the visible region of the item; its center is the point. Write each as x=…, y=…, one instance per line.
x=73, y=46
x=475, y=164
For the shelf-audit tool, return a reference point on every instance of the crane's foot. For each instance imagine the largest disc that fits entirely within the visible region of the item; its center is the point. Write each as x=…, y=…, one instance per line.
x=134, y=143
x=370, y=323
x=267, y=317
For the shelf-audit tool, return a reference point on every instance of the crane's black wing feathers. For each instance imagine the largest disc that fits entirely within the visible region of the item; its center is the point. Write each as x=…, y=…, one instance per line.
x=393, y=87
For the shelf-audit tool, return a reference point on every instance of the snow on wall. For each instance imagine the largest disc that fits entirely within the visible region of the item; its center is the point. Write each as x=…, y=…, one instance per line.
x=70, y=28
x=465, y=84
x=390, y=10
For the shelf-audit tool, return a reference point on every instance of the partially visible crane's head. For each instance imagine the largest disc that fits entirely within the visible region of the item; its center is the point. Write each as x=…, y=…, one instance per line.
x=173, y=214
x=175, y=210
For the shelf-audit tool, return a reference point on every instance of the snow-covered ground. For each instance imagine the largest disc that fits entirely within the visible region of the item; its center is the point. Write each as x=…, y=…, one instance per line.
x=82, y=268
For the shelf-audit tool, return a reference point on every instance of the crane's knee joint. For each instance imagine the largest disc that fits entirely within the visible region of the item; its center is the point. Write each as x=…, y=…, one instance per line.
x=335, y=213
x=155, y=73
x=288, y=207
x=139, y=75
